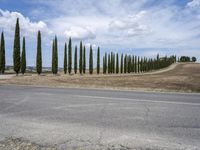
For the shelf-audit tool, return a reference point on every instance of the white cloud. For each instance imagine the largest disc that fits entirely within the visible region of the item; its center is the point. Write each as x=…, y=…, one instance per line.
x=28, y=28
x=87, y=45
x=80, y=33
x=131, y=25
x=193, y=3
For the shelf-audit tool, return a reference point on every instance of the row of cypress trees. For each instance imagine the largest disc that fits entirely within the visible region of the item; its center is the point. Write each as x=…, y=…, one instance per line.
x=133, y=64
x=111, y=63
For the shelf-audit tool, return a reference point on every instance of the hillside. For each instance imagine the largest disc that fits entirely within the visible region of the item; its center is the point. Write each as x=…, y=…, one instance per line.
x=183, y=77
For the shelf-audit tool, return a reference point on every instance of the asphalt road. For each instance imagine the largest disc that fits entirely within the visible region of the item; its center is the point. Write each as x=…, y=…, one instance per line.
x=100, y=119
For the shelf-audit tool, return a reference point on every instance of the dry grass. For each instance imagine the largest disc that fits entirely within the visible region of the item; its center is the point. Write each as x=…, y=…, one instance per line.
x=181, y=77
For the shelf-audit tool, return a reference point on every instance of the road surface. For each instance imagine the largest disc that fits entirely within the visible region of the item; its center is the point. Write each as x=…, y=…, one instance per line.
x=100, y=119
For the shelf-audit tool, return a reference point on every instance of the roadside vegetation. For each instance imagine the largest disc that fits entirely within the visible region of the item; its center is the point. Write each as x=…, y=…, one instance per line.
x=112, y=63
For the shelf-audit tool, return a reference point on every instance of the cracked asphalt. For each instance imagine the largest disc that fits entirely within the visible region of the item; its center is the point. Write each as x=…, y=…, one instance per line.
x=100, y=119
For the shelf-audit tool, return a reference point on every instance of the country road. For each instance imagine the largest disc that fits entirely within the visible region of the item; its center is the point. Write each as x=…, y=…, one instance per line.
x=100, y=119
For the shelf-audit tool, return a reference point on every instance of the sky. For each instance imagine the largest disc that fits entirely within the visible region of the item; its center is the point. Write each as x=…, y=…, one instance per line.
x=138, y=27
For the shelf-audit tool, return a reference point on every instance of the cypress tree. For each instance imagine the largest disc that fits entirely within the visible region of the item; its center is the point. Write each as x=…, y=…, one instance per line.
x=109, y=63
x=16, y=50
x=135, y=67
x=56, y=55
x=75, y=61
x=84, y=60
x=98, y=60
x=53, y=57
x=39, y=54
x=141, y=65
x=138, y=64
x=121, y=68
x=129, y=64
x=91, y=61
x=2, y=54
x=114, y=63
x=81, y=58
x=106, y=66
x=117, y=64
x=65, y=59
x=103, y=64
x=125, y=63
x=70, y=56
x=23, y=63
x=133, y=63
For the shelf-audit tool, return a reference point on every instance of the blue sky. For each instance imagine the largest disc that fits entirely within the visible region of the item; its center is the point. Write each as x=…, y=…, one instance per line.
x=141, y=27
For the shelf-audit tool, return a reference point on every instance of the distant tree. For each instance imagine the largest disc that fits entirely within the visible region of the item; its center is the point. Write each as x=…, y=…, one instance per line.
x=135, y=65
x=70, y=56
x=129, y=64
x=98, y=60
x=117, y=63
x=185, y=59
x=23, y=60
x=194, y=59
x=75, y=61
x=81, y=58
x=39, y=54
x=103, y=64
x=109, y=64
x=2, y=54
x=138, y=64
x=121, y=68
x=16, y=50
x=106, y=64
x=91, y=61
x=84, y=59
x=65, y=59
x=125, y=64
x=141, y=65
x=112, y=62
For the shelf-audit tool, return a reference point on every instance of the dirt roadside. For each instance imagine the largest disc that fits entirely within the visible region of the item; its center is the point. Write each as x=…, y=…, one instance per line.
x=176, y=78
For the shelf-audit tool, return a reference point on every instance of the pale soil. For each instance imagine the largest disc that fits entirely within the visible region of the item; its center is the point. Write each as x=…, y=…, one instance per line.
x=177, y=77
x=20, y=144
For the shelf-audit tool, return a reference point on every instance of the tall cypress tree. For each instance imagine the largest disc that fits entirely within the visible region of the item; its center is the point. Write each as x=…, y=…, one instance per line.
x=23, y=63
x=70, y=56
x=103, y=64
x=53, y=57
x=39, y=54
x=109, y=64
x=138, y=64
x=121, y=68
x=125, y=64
x=91, y=61
x=56, y=55
x=84, y=59
x=81, y=58
x=117, y=64
x=16, y=50
x=98, y=60
x=106, y=64
x=65, y=59
x=75, y=61
x=2, y=54
x=114, y=63
x=135, y=65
